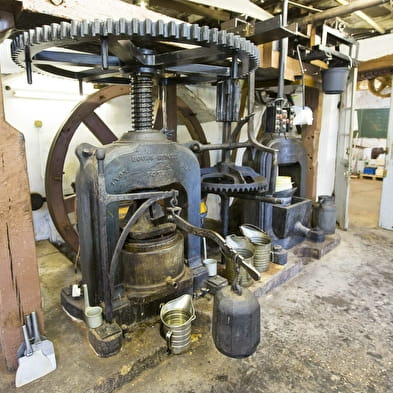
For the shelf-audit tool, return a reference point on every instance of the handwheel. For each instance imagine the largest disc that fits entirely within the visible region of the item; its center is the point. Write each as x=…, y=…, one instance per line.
x=62, y=206
x=381, y=86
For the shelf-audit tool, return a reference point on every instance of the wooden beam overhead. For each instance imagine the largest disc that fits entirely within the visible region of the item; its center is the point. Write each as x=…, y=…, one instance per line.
x=81, y=9
x=191, y=8
x=380, y=63
x=243, y=7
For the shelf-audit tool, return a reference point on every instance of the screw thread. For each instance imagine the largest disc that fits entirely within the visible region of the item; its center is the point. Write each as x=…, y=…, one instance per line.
x=142, y=101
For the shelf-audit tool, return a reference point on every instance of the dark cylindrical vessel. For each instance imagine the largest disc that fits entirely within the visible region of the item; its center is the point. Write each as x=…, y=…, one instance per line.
x=326, y=214
x=236, y=322
x=334, y=80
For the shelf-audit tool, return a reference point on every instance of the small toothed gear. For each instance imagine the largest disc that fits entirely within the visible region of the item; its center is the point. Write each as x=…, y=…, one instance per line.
x=105, y=51
x=230, y=178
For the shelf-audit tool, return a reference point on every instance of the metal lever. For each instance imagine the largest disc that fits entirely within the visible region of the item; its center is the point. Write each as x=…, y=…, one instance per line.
x=228, y=251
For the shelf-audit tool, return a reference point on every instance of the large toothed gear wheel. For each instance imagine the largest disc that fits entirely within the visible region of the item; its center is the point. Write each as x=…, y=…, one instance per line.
x=108, y=51
x=227, y=178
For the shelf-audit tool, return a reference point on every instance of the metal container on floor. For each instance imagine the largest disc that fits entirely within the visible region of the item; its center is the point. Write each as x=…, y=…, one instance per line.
x=325, y=214
x=176, y=317
x=236, y=322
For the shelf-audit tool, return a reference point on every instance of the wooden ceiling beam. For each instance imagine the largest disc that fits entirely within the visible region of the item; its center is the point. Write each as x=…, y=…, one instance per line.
x=380, y=63
x=192, y=9
x=38, y=12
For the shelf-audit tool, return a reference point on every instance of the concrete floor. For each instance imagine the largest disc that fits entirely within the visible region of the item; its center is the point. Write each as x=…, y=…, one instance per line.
x=364, y=200
x=328, y=329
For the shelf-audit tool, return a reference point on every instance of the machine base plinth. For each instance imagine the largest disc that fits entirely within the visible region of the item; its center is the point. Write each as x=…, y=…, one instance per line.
x=200, y=275
x=317, y=250
x=134, y=306
x=139, y=306
x=106, y=339
x=215, y=283
x=72, y=305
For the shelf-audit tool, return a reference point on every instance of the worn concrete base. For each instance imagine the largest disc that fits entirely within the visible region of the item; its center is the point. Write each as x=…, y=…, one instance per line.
x=327, y=330
x=277, y=275
x=317, y=250
x=79, y=368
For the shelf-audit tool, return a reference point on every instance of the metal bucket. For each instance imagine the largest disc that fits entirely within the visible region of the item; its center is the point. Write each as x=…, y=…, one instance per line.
x=176, y=317
x=245, y=248
x=262, y=244
x=334, y=80
x=263, y=247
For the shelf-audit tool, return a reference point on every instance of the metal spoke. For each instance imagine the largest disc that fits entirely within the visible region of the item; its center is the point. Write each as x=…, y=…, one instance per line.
x=72, y=58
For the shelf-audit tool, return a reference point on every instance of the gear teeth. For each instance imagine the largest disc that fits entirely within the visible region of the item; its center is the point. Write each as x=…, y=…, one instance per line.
x=214, y=35
x=148, y=25
x=230, y=40
x=237, y=41
x=195, y=33
x=205, y=36
x=160, y=28
x=122, y=26
x=221, y=37
x=134, y=28
x=184, y=31
x=109, y=27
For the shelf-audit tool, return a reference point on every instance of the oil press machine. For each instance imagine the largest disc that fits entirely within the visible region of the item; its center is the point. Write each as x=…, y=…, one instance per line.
x=138, y=198
x=134, y=194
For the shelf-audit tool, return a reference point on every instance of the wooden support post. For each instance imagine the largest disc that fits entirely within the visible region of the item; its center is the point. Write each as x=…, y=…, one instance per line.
x=171, y=108
x=310, y=137
x=19, y=282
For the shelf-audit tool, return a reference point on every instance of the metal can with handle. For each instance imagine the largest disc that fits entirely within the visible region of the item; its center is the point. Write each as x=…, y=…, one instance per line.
x=176, y=317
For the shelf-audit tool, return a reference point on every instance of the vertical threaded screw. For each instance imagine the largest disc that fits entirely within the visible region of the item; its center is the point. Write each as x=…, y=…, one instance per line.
x=142, y=101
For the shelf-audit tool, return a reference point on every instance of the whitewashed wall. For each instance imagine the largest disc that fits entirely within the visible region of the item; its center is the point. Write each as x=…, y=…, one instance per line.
x=24, y=113
x=328, y=145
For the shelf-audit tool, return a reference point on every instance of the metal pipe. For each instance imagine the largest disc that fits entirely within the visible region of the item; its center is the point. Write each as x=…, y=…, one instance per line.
x=284, y=14
x=339, y=11
x=302, y=71
x=253, y=139
x=198, y=147
x=283, y=52
x=257, y=197
x=226, y=135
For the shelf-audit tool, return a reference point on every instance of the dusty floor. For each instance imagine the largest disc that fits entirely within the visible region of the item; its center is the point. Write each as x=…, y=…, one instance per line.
x=329, y=329
x=364, y=200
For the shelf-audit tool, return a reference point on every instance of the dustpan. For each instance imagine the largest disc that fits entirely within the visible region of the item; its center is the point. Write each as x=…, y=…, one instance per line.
x=42, y=343
x=33, y=365
x=37, y=340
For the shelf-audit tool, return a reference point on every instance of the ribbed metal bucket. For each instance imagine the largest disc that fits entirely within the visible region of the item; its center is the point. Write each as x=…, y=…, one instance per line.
x=263, y=248
x=262, y=243
x=176, y=317
x=244, y=247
